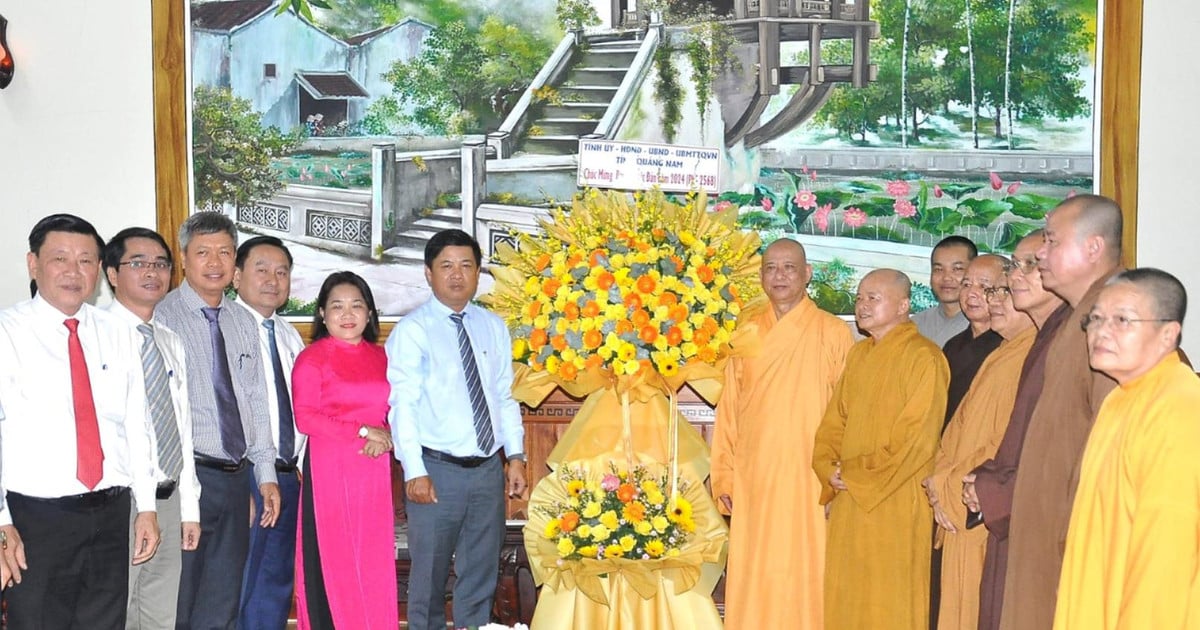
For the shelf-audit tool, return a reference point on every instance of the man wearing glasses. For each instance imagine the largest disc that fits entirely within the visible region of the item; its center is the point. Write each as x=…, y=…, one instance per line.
x=137, y=264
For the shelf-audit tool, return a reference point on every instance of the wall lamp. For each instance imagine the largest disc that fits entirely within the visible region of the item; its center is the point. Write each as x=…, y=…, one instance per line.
x=6, y=59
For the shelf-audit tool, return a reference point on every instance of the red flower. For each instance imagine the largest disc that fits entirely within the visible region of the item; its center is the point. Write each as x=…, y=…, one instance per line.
x=996, y=181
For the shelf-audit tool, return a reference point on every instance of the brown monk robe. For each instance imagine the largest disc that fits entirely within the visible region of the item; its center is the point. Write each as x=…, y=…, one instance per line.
x=766, y=422
x=874, y=447
x=994, y=478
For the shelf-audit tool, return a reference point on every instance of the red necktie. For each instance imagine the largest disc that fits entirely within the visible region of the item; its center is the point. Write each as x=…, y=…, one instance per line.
x=89, y=462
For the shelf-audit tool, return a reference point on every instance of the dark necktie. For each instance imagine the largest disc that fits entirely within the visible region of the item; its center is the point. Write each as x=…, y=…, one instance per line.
x=89, y=456
x=162, y=411
x=287, y=434
x=229, y=418
x=483, y=420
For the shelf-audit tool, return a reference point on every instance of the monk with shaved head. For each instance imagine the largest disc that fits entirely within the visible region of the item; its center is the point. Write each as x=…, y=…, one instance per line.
x=874, y=447
x=766, y=422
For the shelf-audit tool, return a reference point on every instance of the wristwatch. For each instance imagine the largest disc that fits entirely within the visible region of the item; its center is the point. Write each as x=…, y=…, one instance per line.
x=362, y=432
x=519, y=457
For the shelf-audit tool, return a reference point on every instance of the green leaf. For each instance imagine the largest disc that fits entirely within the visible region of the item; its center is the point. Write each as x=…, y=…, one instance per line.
x=796, y=215
x=762, y=192
x=759, y=221
x=956, y=190
x=877, y=206
x=835, y=198
x=1030, y=206
x=878, y=233
x=950, y=223
x=320, y=4
x=981, y=212
x=305, y=10
x=1012, y=233
x=736, y=198
x=859, y=187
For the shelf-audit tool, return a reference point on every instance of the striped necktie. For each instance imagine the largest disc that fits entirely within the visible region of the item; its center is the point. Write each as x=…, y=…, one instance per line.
x=287, y=432
x=483, y=420
x=162, y=411
x=229, y=416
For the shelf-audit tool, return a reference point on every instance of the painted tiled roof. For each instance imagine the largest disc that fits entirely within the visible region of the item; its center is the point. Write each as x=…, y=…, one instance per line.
x=227, y=14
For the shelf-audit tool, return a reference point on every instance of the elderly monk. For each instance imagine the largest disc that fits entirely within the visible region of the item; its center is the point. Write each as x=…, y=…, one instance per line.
x=994, y=477
x=967, y=350
x=1133, y=553
x=874, y=446
x=1081, y=251
x=974, y=434
x=766, y=422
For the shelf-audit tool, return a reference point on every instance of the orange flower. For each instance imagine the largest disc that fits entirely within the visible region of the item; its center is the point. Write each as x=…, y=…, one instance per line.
x=678, y=313
x=705, y=274
x=568, y=372
x=592, y=339
x=668, y=298
x=646, y=284
x=658, y=233
x=558, y=342
x=627, y=492
x=595, y=256
x=633, y=512
x=678, y=263
x=534, y=309
x=701, y=337
x=706, y=354
x=709, y=326
x=648, y=334
x=537, y=339
x=590, y=309
x=550, y=286
x=571, y=311
x=674, y=336
x=593, y=361
x=574, y=259
x=640, y=318
x=605, y=280
x=624, y=326
x=633, y=300
x=542, y=262
x=569, y=521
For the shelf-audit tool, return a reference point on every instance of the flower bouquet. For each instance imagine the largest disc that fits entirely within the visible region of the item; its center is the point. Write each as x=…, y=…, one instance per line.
x=624, y=300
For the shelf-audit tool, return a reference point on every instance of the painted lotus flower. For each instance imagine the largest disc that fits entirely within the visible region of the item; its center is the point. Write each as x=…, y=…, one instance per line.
x=805, y=199
x=898, y=188
x=1013, y=187
x=904, y=208
x=821, y=217
x=854, y=218
x=995, y=180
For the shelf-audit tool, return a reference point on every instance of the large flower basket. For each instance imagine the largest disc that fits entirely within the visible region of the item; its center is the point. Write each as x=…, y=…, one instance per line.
x=622, y=304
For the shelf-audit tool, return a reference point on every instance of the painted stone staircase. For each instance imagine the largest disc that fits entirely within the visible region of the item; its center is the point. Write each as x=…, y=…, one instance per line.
x=409, y=247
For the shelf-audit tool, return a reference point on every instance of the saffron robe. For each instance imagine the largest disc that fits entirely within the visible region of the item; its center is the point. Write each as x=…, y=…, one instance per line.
x=762, y=445
x=882, y=426
x=974, y=435
x=994, y=478
x=1046, y=478
x=1133, y=547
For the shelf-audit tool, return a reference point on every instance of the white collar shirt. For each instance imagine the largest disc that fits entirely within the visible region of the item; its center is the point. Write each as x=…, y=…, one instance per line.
x=289, y=343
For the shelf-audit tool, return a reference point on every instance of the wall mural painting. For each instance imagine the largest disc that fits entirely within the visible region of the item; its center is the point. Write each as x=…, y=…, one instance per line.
x=866, y=129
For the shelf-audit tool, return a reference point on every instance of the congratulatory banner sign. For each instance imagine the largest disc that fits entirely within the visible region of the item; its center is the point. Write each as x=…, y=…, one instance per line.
x=638, y=166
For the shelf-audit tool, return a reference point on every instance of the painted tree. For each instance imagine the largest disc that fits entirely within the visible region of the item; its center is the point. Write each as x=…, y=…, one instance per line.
x=231, y=151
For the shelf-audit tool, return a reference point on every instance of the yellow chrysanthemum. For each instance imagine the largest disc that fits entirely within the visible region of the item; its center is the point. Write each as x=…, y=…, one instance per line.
x=583, y=531
x=588, y=551
x=655, y=548
x=575, y=487
x=613, y=551
x=643, y=528
x=520, y=348
x=600, y=533
x=627, y=352
x=552, y=528
x=680, y=510
x=609, y=519
x=591, y=510
x=628, y=543
x=565, y=547
x=660, y=523
x=656, y=497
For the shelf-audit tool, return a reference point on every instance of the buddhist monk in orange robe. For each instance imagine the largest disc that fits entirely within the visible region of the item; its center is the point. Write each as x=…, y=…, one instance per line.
x=973, y=436
x=874, y=447
x=1133, y=546
x=766, y=422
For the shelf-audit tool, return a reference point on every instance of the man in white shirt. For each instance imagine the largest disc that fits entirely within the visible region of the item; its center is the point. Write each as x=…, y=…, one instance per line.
x=75, y=439
x=137, y=265
x=263, y=278
x=947, y=266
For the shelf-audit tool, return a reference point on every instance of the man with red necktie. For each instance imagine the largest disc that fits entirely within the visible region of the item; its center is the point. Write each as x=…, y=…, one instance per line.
x=76, y=439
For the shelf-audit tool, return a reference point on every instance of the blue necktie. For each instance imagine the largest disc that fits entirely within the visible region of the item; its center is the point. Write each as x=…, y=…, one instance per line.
x=162, y=411
x=287, y=433
x=229, y=418
x=483, y=420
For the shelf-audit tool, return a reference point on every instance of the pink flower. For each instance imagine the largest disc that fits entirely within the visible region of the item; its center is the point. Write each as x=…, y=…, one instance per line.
x=767, y=204
x=804, y=168
x=854, y=218
x=812, y=175
x=898, y=188
x=1012, y=188
x=821, y=217
x=904, y=208
x=723, y=205
x=610, y=482
x=937, y=191
x=996, y=181
x=805, y=199
x=1070, y=194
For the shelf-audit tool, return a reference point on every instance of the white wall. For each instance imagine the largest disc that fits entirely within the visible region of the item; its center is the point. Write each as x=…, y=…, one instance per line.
x=76, y=124
x=1168, y=216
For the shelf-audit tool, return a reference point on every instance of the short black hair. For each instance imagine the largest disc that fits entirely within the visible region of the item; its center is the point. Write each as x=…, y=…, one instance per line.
x=243, y=250
x=114, y=251
x=955, y=240
x=1166, y=292
x=338, y=278
x=61, y=222
x=451, y=238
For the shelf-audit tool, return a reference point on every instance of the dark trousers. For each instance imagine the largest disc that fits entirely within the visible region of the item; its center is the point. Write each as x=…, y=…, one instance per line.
x=78, y=553
x=269, y=580
x=210, y=586
x=466, y=524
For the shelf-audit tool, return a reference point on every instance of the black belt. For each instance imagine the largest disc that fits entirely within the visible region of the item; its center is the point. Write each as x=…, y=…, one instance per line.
x=465, y=462
x=77, y=501
x=222, y=465
x=282, y=466
x=165, y=489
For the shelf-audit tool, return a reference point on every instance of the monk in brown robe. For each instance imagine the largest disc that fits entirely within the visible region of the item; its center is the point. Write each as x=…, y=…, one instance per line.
x=766, y=423
x=873, y=448
x=994, y=478
x=1081, y=251
x=974, y=434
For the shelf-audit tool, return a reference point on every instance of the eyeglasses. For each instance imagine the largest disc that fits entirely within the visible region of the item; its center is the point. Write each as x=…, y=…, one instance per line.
x=1026, y=266
x=141, y=265
x=1120, y=323
x=996, y=294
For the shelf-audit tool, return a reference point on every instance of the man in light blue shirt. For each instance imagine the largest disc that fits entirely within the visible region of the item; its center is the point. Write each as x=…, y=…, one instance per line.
x=452, y=411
